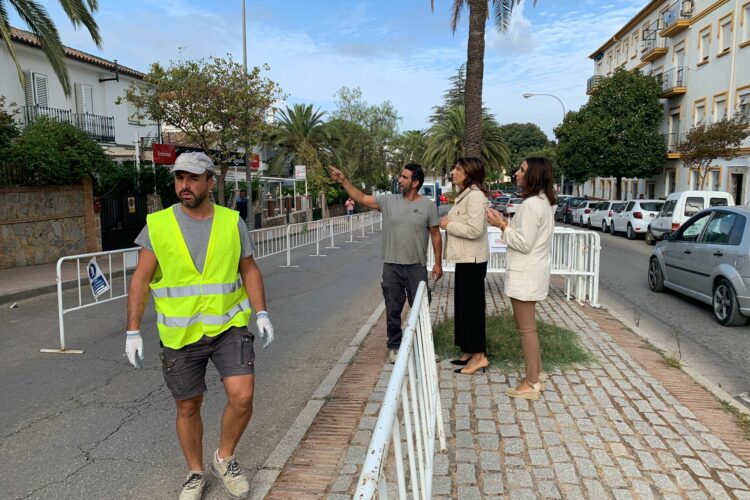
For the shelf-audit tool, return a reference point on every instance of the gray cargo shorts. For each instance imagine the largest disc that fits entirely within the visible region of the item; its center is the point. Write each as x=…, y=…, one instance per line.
x=184, y=369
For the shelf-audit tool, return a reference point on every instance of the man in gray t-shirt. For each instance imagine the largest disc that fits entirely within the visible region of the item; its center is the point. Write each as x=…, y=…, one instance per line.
x=408, y=221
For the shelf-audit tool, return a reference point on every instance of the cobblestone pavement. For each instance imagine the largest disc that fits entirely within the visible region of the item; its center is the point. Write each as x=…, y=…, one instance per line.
x=608, y=430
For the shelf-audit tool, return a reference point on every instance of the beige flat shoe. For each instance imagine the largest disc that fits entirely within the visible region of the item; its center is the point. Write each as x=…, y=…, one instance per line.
x=533, y=394
x=543, y=380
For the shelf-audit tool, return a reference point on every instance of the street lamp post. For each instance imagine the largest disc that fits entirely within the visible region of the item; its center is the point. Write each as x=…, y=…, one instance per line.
x=248, y=169
x=526, y=96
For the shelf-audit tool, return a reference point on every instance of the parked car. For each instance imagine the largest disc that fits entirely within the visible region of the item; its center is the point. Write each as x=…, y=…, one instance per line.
x=495, y=194
x=679, y=207
x=560, y=202
x=633, y=219
x=499, y=203
x=601, y=216
x=565, y=212
x=512, y=206
x=706, y=259
x=443, y=198
x=582, y=211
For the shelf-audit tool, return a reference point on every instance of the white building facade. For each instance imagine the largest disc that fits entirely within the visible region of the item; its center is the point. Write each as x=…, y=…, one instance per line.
x=700, y=51
x=96, y=83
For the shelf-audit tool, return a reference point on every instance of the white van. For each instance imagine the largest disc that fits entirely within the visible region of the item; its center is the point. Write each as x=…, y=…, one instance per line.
x=680, y=206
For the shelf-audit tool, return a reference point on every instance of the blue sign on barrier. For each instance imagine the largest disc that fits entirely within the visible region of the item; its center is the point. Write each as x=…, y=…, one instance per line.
x=99, y=284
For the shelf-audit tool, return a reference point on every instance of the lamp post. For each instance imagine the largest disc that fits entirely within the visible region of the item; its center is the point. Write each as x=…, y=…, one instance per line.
x=526, y=96
x=248, y=169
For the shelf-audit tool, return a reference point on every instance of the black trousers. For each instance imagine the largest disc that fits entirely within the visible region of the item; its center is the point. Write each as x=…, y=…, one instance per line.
x=400, y=281
x=470, y=307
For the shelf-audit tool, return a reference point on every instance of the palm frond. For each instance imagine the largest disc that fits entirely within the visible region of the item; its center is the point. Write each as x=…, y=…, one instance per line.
x=80, y=13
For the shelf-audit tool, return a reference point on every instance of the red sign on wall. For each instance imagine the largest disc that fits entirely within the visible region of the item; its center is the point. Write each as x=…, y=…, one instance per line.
x=255, y=162
x=164, y=154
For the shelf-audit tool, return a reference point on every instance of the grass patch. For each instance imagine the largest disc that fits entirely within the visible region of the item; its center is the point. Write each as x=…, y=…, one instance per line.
x=560, y=347
x=672, y=362
x=743, y=420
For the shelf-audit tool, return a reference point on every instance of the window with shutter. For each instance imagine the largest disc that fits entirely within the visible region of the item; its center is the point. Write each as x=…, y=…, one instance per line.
x=88, y=99
x=40, y=90
x=28, y=87
x=78, y=90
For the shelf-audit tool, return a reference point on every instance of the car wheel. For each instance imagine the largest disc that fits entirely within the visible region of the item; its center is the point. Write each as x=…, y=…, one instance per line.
x=725, y=305
x=581, y=221
x=631, y=233
x=604, y=226
x=612, y=229
x=649, y=237
x=655, y=278
x=588, y=224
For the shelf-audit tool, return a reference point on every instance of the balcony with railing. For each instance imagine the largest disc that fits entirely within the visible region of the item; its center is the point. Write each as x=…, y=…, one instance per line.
x=592, y=83
x=652, y=44
x=672, y=142
x=100, y=128
x=673, y=82
x=676, y=18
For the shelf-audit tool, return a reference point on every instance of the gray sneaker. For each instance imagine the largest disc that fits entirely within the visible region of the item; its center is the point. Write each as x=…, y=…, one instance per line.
x=392, y=355
x=229, y=472
x=193, y=487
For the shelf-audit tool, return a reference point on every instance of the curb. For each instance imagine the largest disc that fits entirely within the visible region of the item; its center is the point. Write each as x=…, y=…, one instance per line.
x=30, y=293
x=266, y=476
x=711, y=387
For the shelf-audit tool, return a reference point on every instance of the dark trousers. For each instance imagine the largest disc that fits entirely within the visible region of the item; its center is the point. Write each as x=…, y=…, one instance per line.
x=400, y=281
x=469, y=307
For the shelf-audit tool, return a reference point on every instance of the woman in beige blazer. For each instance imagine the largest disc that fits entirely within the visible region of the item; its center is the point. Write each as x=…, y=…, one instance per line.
x=467, y=246
x=529, y=239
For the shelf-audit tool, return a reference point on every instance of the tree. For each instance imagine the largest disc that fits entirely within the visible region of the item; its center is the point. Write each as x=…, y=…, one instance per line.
x=8, y=126
x=453, y=97
x=445, y=145
x=617, y=133
x=301, y=137
x=521, y=139
x=409, y=147
x=478, y=14
x=365, y=137
x=54, y=153
x=706, y=142
x=219, y=107
x=35, y=16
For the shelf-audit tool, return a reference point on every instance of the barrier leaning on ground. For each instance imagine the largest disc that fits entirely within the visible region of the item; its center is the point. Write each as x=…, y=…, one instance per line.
x=414, y=393
x=575, y=257
x=267, y=242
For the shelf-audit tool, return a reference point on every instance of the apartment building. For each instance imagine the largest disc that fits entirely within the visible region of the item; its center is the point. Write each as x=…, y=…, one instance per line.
x=700, y=52
x=96, y=84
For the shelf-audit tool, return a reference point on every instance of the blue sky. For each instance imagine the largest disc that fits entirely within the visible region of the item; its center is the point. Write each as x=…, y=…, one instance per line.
x=395, y=50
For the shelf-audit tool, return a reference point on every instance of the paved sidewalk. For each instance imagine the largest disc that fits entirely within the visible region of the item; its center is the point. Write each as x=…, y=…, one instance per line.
x=625, y=427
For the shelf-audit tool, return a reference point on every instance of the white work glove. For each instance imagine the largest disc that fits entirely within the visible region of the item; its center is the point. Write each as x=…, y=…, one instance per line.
x=265, y=328
x=134, y=347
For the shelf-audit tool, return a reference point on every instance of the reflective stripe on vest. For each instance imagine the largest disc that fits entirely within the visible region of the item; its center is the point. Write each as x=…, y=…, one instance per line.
x=190, y=304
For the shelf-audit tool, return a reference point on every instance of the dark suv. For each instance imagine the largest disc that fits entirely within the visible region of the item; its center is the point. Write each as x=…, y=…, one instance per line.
x=564, y=211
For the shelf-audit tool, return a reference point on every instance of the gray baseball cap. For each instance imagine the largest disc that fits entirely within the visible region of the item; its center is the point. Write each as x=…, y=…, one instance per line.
x=193, y=162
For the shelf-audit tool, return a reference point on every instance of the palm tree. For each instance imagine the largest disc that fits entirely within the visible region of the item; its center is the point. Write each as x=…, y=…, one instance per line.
x=80, y=12
x=478, y=14
x=446, y=144
x=299, y=132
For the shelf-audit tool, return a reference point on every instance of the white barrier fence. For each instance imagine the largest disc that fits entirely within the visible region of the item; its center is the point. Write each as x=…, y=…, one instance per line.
x=575, y=257
x=267, y=242
x=413, y=393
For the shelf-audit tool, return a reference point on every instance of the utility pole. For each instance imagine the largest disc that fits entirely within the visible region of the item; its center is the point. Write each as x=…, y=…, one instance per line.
x=248, y=169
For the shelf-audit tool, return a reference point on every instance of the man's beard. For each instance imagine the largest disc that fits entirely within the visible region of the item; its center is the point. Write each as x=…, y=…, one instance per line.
x=195, y=201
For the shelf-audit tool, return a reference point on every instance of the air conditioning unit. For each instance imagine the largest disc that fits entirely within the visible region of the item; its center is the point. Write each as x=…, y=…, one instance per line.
x=687, y=8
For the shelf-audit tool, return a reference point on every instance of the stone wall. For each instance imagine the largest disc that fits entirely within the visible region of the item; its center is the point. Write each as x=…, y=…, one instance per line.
x=38, y=225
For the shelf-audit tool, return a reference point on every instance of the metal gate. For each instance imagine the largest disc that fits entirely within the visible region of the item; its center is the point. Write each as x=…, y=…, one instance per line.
x=121, y=222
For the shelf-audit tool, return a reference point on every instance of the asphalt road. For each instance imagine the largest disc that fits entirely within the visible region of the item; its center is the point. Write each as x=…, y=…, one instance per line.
x=90, y=426
x=721, y=354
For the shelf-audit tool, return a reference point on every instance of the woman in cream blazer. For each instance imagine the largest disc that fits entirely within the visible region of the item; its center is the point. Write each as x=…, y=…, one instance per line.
x=467, y=246
x=529, y=239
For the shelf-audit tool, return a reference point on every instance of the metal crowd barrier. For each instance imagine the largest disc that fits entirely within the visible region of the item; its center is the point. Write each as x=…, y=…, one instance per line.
x=267, y=242
x=575, y=257
x=413, y=393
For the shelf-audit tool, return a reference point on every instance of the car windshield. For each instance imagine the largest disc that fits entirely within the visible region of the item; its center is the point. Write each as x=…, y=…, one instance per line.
x=516, y=200
x=616, y=206
x=651, y=206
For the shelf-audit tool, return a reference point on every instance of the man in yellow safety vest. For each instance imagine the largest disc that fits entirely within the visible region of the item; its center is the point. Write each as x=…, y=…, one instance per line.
x=197, y=260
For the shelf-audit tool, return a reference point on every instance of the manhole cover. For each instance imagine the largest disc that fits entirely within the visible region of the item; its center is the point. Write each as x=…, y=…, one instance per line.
x=743, y=398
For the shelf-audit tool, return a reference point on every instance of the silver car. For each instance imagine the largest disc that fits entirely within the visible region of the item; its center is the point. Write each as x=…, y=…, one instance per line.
x=708, y=259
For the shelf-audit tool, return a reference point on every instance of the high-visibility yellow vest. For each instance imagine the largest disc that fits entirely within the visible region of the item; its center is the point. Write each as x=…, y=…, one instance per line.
x=190, y=304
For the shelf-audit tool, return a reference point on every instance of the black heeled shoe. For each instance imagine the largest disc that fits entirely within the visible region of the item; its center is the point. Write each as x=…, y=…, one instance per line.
x=460, y=362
